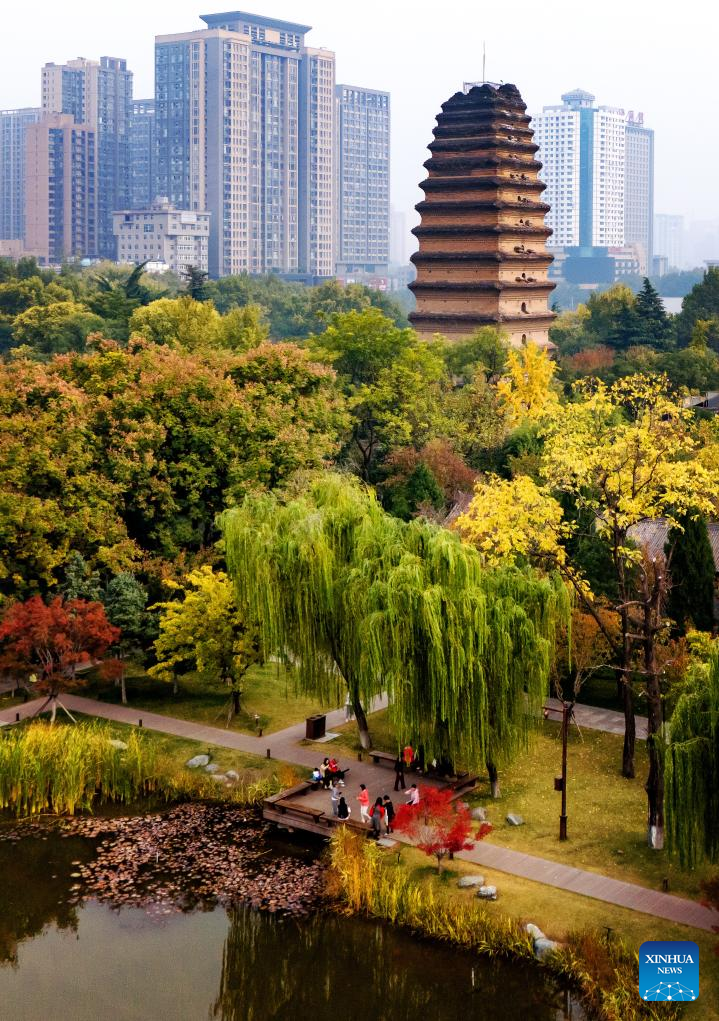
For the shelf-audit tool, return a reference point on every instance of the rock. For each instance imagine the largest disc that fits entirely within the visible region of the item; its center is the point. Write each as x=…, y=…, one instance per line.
x=212, y=768
x=515, y=820
x=197, y=760
x=487, y=893
x=220, y=777
x=232, y=774
x=116, y=743
x=543, y=947
x=466, y=881
x=534, y=931
x=479, y=813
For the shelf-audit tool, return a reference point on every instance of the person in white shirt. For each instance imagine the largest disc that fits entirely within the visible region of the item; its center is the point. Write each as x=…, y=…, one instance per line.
x=413, y=795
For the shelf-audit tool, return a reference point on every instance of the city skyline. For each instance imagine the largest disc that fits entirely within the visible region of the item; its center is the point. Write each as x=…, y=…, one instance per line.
x=394, y=45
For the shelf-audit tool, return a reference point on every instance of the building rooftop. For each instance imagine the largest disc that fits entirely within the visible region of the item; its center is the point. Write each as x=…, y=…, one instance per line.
x=651, y=534
x=214, y=20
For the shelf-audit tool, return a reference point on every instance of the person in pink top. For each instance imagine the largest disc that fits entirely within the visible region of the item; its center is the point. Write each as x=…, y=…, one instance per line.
x=363, y=798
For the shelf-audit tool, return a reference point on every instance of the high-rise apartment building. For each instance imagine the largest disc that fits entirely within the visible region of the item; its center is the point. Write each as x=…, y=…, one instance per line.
x=60, y=189
x=669, y=239
x=317, y=186
x=583, y=153
x=598, y=164
x=639, y=189
x=141, y=154
x=363, y=144
x=244, y=115
x=99, y=95
x=13, y=124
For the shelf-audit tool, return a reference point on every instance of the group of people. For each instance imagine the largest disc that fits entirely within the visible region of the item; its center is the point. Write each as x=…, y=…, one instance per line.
x=329, y=772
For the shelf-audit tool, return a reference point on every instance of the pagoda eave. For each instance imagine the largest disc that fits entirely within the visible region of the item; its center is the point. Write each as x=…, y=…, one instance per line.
x=435, y=286
x=440, y=164
x=471, y=231
x=466, y=205
x=482, y=258
x=483, y=183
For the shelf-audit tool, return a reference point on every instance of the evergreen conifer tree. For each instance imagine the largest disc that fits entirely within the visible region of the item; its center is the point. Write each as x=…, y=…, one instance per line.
x=653, y=319
x=691, y=598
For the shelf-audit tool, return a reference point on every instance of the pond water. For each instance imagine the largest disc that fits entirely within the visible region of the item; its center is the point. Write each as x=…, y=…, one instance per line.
x=61, y=958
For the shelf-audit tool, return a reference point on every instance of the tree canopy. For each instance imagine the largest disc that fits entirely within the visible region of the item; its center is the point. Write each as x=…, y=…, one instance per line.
x=352, y=596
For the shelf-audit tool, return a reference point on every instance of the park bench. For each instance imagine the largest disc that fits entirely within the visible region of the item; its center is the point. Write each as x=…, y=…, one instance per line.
x=383, y=757
x=463, y=782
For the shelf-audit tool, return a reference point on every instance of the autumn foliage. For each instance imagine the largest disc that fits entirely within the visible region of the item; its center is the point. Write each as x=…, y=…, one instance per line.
x=50, y=640
x=437, y=826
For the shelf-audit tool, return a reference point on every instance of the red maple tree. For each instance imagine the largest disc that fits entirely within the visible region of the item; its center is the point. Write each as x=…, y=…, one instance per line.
x=48, y=641
x=436, y=825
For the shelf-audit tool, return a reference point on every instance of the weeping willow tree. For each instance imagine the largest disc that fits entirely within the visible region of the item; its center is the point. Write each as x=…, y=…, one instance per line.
x=349, y=594
x=691, y=778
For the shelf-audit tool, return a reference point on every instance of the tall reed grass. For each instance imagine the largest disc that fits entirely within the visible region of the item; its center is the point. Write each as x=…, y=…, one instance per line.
x=60, y=769
x=63, y=769
x=605, y=973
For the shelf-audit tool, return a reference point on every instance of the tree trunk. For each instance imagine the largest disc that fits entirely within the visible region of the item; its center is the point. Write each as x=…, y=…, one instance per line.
x=123, y=688
x=53, y=708
x=361, y=717
x=235, y=702
x=493, y=780
x=175, y=687
x=630, y=729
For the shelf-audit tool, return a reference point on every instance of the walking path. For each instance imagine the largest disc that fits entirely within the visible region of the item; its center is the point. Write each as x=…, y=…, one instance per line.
x=592, y=718
x=284, y=746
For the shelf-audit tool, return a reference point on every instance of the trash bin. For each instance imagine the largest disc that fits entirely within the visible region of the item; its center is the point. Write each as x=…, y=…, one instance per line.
x=315, y=727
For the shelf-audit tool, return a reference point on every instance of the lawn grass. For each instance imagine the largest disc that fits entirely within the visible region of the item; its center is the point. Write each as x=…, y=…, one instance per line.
x=268, y=690
x=557, y=913
x=606, y=813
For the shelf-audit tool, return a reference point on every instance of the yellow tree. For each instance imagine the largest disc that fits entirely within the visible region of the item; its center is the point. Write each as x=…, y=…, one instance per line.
x=618, y=455
x=205, y=632
x=526, y=391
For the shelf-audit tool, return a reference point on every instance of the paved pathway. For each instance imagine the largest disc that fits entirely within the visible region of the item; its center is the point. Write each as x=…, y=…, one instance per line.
x=592, y=718
x=284, y=746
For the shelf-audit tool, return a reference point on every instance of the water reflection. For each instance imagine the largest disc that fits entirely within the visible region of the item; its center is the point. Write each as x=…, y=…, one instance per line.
x=332, y=967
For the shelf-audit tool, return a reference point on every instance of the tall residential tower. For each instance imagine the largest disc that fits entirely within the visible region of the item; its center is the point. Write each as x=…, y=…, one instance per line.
x=363, y=144
x=98, y=94
x=13, y=125
x=142, y=154
x=244, y=119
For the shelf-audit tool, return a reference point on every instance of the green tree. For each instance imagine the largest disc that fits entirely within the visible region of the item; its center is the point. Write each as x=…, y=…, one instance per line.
x=80, y=580
x=420, y=488
x=702, y=302
x=393, y=384
x=244, y=328
x=691, y=565
x=206, y=632
x=485, y=352
x=57, y=328
x=653, y=319
x=604, y=309
x=178, y=322
x=353, y=597
x=692, y=767
x=196, y=282
x=125, y=602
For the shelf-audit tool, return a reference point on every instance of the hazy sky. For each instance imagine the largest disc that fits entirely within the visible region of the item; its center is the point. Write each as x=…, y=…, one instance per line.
x=657, y=57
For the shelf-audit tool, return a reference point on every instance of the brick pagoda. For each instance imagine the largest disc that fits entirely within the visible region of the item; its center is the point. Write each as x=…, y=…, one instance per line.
x=482, y=258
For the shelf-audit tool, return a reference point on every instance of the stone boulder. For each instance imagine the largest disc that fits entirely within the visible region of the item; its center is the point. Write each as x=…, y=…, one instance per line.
x=197, y=760
x=487, y=893
x=231, y=774
x=212, y=768
x=544, y=947
x=515, y=820
x=468, y=881
x=220, y=777
x=479, y=813
x=116, y=743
